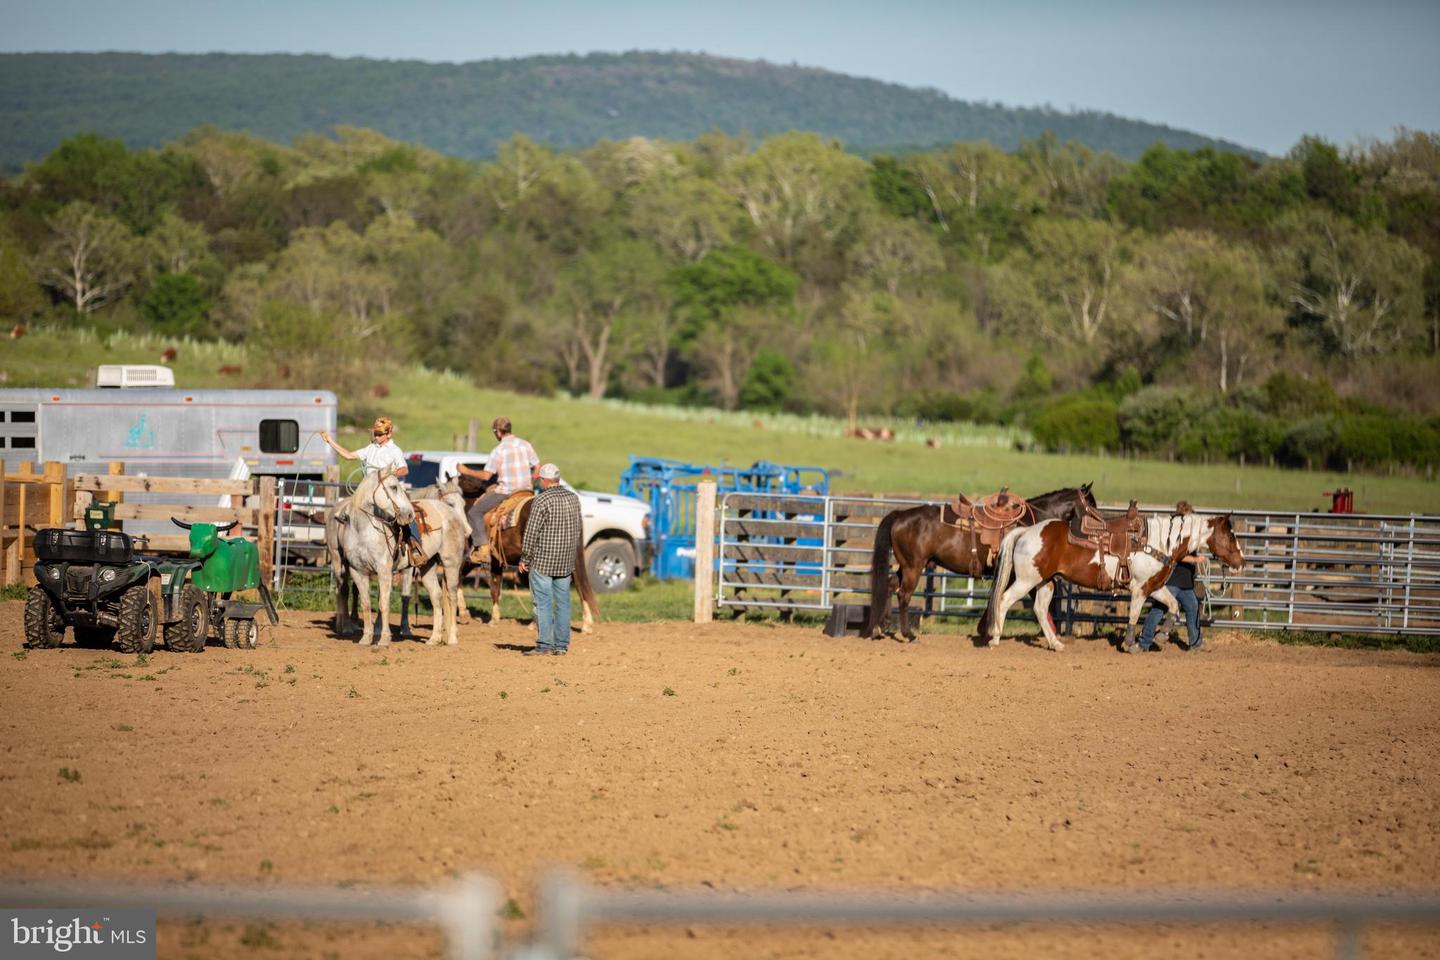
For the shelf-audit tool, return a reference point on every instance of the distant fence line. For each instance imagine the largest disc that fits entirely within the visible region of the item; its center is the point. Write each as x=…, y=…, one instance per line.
x=568, y=908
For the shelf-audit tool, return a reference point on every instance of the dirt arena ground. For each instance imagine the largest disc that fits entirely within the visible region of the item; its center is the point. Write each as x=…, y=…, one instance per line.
x=733, y=757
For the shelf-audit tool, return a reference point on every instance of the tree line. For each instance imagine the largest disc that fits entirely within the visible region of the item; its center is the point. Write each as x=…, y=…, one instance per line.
x=1194, y=304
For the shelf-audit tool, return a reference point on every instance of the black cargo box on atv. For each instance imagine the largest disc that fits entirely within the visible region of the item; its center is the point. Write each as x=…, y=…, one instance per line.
x=84, y=546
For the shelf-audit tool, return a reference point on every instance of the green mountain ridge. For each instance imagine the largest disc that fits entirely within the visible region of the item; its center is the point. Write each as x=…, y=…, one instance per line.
x=467, y=109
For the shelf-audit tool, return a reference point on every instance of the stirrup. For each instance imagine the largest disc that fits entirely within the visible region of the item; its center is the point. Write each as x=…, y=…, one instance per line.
x=480, y=554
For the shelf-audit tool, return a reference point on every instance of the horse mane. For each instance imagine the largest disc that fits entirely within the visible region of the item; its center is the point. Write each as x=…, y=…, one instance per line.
x=1177, y=527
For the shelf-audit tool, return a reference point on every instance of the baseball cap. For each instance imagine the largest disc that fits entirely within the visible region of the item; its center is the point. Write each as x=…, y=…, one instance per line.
x=548, y=471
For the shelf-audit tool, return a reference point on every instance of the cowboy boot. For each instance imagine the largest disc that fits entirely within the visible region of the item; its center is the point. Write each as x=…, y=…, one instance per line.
x=417, y=556
x=480, y=556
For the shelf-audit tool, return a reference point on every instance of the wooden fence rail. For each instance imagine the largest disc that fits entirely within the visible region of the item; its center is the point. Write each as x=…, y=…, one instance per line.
x=28, y=501
x=257, y=521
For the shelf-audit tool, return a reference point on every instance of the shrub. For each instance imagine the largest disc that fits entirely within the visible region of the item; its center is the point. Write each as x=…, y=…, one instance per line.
x=1362, y=440
x=769, y=383
x=1152, y=419
x=1309, y=442
x=1078, y=423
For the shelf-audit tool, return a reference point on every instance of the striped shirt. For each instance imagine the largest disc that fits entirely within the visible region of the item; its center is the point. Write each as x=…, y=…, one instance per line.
x=552, y=534
x=511, y=461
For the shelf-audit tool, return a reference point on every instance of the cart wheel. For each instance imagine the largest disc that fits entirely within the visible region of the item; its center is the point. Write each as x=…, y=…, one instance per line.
x=187, y=635
x=242, y=634
x=44, y=627
x=139, y=618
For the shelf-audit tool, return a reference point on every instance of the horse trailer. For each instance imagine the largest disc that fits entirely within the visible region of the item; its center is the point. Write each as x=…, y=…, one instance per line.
x=171, y=433
x=204, y=434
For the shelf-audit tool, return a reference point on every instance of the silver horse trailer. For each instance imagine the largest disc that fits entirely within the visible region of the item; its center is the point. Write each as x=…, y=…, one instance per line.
x=170, y=433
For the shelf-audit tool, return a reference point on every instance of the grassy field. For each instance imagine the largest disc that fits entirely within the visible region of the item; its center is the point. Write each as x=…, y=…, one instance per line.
x=591, y=441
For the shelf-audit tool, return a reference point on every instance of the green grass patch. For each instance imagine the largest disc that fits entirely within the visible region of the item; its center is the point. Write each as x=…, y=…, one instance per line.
x=1427, y=643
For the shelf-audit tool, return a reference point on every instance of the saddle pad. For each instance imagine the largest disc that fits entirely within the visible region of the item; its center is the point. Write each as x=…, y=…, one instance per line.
x=506, y=514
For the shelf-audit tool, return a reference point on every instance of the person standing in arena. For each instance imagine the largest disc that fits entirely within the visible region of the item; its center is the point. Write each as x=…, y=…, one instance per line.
x=1181, y=584
x=512, y=463
x=551, y=544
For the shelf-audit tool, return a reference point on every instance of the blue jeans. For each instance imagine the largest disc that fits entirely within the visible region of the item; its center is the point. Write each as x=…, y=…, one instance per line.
x=1189, y=603
x=552, y=611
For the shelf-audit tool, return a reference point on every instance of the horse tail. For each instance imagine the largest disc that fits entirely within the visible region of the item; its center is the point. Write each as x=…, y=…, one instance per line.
x=1004, y=567
x=879, y=577
x=590, y=609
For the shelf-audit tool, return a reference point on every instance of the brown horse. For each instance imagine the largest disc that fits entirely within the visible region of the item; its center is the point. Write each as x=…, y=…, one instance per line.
x=918, y=535
x=505, y=551
x=1032, y=557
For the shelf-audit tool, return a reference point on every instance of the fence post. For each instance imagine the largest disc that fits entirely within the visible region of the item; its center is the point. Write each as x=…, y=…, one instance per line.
x=116, y=469
x=4, y=530
x=59, y=492
x=22, y=517
x=265, y=529
x=705, y=551
x=472, y=436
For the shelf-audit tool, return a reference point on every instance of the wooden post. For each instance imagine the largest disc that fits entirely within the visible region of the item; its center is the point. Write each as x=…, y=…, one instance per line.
x=4, y=530
x=704, y=551
x=59, y=492
x=117, y=469
x=22, y=511
x=265, y=534
x=472, y=436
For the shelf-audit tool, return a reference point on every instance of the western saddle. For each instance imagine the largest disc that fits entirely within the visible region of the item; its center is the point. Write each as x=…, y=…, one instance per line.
x=1110, y=536
x=987, y=520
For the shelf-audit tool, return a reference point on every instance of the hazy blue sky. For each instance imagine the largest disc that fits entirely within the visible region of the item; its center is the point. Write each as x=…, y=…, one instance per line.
x=1261, y=72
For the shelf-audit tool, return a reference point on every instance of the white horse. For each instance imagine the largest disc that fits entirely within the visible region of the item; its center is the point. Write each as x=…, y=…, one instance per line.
x=369, y=544
x=444, y=542
x=450, y=493
x=1031, y=558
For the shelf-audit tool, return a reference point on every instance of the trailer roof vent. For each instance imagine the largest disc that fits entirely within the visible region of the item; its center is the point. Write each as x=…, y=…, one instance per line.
x=125, y=375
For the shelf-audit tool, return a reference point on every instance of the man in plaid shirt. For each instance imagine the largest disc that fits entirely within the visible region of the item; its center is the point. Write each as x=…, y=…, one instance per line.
x=511, y=464
x=551, y=544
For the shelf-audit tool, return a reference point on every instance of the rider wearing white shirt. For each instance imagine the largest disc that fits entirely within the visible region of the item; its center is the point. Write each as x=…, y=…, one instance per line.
x=379, y=454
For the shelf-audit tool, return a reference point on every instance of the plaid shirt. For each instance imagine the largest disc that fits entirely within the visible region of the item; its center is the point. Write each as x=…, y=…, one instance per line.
x=552, y=534
x=511, y=461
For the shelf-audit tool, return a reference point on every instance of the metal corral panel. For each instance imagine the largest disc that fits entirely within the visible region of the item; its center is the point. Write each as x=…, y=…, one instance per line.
x=1332, y=572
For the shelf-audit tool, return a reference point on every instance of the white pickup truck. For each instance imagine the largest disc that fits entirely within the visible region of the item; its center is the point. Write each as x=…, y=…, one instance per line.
x=616, y=529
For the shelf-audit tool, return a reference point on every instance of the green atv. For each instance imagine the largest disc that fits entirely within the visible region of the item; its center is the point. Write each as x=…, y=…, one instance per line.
x=93, y=581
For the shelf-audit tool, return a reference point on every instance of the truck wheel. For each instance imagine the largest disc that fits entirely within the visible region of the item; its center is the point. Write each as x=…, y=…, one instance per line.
x=241, y=634
x=44, y=627
x=611, y=565
x=187, y=635
x=138, y=620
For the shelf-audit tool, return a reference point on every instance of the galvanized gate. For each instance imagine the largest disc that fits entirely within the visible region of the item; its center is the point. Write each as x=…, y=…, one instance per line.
x=1330, y=572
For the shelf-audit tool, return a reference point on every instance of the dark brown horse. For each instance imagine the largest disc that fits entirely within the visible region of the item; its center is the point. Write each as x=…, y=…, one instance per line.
x=505, y=551
x=919, y=535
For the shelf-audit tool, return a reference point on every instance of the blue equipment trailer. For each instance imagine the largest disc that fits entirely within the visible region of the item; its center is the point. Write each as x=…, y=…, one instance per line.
x=669, y=487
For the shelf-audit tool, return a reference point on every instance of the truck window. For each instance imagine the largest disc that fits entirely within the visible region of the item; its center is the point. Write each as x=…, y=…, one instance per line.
x=422, y=472
x=279, y=436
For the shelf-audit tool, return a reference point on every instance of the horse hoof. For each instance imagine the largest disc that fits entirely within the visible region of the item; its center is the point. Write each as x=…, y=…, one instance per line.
x=586, y=628
x=993, y=642
x=452, y=642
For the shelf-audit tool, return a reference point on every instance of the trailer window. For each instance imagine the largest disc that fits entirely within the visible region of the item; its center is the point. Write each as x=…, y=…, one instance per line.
x=22, y=416
x=22, y=443
x=279, y=436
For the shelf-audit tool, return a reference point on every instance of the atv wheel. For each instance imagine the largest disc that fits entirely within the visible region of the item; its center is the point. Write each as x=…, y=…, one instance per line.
x=241, y=634
x=138, y=619
x=187, y=635
x=44, y=627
